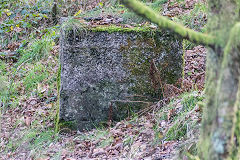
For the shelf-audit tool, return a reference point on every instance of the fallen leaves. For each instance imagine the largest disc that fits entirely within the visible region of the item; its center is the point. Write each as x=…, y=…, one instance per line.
x=174, y=8
x=13, y=46
x=135, y=139
x=195, y=62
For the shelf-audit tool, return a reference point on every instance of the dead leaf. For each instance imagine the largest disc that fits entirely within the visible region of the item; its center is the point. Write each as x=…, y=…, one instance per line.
x=148, y=124
x=171, y=113
x=129, y=125
x=27, y=120
x=46, y=158
x=128, y=26
x=98, y=152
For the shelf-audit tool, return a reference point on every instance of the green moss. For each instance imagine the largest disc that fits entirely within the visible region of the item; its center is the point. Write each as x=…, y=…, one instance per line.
x=67, y=126
x=233, y=41
x=61, y=125
x=183, y=58
x=58, y=99
x=236, y=129
x=59, y=78
x=139, y=64
x=115, y=28
x=77, y=25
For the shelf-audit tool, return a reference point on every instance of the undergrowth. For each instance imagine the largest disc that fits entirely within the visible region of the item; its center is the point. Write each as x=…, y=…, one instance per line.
x=181, y=125
x=27, y=85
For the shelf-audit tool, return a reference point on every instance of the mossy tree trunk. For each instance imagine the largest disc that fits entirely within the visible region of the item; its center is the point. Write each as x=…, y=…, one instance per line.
x=220, y=132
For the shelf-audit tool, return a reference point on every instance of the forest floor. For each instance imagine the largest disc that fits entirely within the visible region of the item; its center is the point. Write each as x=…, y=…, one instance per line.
x=169, y=129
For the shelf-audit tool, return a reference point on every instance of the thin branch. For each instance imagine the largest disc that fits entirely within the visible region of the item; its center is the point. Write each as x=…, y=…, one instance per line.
x=163, y=22
x=129, y=101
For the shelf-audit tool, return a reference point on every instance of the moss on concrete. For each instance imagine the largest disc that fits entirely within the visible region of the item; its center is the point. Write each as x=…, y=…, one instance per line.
x=140, y=65
x=56, y=129
x=145, y=34
x=122, y=57
x=116, y=28
x=78, y=25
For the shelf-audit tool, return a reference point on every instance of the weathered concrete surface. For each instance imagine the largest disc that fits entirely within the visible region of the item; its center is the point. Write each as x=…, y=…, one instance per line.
x=107, y=75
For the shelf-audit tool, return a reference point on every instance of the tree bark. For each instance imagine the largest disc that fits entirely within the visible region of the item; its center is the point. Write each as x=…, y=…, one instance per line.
x=218, y=138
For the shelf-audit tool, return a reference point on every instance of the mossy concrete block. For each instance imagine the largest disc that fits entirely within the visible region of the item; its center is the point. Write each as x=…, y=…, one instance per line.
x=107, y=75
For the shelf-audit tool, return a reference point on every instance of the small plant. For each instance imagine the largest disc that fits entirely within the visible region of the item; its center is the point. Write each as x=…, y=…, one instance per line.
x=34, y=77
x=3, y=93
x=181, y=124
x=106, y=142
x=190, y=100
x=38, y=141
x=73, y=26
x=177, y=132
x=32, y=139
x=158, y=134
x=128, y=140
x=40, y=48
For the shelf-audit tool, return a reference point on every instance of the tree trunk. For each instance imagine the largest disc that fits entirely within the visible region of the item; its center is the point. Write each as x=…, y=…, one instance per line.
x=221, y=116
